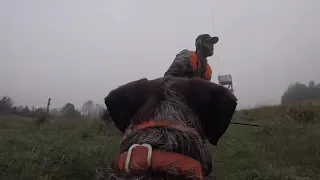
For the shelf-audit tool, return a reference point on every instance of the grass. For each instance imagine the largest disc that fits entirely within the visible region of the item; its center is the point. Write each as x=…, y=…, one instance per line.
x=285, y=147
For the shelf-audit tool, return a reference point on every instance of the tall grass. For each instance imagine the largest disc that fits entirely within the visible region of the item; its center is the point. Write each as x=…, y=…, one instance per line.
x=54, y=151
x=286, y=146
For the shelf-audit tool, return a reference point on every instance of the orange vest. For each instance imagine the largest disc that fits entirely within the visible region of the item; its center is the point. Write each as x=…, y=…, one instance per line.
x=195, y=64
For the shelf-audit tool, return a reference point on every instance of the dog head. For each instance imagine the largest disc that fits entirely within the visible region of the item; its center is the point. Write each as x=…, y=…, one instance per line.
x=214, y=105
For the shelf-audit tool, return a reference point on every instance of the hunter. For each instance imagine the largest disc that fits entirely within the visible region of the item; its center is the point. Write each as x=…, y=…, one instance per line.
x=194, y=63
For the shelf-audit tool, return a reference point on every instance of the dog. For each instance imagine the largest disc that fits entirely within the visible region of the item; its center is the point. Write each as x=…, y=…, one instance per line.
x=167, y=123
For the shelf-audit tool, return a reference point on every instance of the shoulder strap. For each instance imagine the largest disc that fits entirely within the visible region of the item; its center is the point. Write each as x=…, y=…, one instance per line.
x=195, y=62
x=208, y=72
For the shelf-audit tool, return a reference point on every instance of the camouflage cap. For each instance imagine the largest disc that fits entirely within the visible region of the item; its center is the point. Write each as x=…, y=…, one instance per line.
x=206, y=38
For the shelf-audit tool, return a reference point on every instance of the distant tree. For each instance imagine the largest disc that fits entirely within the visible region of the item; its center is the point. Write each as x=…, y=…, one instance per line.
x=7, y=107
x=14, y=110
x=55, y=112
x=88, y=109
x=40, y=112
x=99, y=111
x=7, y=101
x=311, y=84
x=20, y=109
x=69, y=110
x=6, y=104
x=25, y=112
x=299, y=92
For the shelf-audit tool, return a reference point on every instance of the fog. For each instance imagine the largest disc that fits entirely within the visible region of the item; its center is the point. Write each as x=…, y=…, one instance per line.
x=77, y=50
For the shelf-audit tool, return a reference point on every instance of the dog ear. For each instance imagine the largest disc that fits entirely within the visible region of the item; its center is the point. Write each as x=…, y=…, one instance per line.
x=124, y=101
x=214, y=105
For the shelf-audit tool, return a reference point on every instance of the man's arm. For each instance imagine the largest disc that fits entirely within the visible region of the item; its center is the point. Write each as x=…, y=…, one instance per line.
x=180, y=65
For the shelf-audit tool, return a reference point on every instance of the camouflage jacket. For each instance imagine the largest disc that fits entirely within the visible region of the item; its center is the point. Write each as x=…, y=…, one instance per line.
x=189, y=64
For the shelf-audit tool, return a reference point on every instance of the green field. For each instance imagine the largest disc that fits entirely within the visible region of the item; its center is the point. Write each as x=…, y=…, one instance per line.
x=285, y=146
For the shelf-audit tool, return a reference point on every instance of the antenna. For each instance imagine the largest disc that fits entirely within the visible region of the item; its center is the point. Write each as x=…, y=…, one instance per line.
x=214, y=29
x=212, y=17
x=224, y=80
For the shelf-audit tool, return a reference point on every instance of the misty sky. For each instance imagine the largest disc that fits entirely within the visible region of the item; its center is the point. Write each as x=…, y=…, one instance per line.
x=77, y=50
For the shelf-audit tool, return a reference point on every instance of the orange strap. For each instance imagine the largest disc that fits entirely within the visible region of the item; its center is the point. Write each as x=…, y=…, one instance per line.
x=156, y=123
x=208, y=72
x=152, y=123
x=160, y=160
x=195, y=65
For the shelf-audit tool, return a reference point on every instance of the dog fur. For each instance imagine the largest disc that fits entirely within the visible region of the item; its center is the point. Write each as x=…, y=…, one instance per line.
x=194, y=103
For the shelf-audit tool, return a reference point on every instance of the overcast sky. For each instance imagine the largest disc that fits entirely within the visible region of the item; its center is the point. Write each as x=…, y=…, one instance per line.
x=77, y=50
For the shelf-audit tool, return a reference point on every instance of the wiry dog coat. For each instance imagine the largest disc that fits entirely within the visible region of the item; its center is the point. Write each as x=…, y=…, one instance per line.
x=202, y=109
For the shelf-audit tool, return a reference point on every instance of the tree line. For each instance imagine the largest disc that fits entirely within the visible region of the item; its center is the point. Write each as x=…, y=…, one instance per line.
x=299, y=92
x=295, y=93
x=89, y=110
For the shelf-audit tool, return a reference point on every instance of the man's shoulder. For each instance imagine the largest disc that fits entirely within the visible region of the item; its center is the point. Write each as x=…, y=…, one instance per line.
x=184, y=53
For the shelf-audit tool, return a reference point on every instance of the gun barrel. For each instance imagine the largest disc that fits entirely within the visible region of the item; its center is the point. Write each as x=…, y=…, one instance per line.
x=245, y=124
